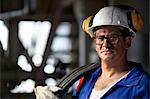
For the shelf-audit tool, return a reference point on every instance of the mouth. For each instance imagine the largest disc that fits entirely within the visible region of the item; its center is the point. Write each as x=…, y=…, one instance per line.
x=107, y=52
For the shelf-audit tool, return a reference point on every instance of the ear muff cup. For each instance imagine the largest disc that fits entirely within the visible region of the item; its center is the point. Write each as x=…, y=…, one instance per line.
x=137, y=20
x=87, y=23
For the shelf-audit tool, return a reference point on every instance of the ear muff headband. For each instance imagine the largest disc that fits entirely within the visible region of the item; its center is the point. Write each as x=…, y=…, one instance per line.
x=130, y=21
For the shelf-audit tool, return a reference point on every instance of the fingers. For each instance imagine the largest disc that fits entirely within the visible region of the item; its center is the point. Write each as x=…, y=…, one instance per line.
x=46, y=92
x=53, y=88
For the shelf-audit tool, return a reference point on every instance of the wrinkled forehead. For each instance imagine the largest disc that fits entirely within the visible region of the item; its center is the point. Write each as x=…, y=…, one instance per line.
x=107, y=30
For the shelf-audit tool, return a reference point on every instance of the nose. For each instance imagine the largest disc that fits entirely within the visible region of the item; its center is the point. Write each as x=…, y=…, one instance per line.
x=106, y=44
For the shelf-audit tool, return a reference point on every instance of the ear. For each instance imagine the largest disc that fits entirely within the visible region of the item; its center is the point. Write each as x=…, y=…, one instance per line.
x=128, y=41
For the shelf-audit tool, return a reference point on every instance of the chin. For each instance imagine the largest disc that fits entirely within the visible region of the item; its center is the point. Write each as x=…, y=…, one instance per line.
x=106, y=58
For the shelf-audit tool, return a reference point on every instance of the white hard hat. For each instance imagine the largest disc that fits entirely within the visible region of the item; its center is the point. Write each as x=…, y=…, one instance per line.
x=116, y=16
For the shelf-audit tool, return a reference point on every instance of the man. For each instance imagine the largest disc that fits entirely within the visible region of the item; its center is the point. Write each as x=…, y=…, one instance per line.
x=112, y=30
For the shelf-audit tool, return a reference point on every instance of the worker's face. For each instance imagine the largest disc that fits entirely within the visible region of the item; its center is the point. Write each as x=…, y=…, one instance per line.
x=110, y=43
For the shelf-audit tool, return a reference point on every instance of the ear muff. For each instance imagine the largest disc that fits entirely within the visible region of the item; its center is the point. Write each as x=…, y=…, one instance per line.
x=137, y=20
x=86, y=24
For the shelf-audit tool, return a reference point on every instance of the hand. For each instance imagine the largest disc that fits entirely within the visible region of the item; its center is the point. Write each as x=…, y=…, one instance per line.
x=46, y=92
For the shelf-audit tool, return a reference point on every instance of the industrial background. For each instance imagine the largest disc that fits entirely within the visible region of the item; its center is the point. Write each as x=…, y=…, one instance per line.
x=42, y=40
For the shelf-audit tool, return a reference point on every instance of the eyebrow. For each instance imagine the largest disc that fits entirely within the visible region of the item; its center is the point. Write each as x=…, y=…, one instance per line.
x=109, y=34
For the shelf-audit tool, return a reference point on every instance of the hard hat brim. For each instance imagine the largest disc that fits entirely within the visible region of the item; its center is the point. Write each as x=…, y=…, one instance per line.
x=92, y=34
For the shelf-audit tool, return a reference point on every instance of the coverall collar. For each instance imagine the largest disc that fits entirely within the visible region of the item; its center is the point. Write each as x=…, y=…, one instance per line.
x=132, y=78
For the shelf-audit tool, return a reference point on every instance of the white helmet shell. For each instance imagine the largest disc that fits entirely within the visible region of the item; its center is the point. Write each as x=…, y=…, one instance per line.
x=111, y=16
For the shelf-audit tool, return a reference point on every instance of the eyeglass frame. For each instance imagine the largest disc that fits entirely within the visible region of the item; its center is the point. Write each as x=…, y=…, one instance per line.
x=108, y=38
